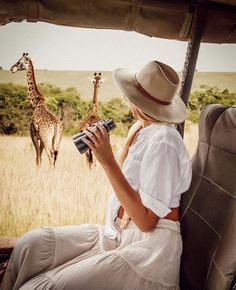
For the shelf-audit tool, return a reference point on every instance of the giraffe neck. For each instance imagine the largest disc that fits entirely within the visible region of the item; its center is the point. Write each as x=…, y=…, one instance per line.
x=95, y=99
x=35, y=97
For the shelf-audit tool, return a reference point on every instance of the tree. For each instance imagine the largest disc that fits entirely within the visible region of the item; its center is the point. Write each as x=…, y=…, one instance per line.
x=206, y=96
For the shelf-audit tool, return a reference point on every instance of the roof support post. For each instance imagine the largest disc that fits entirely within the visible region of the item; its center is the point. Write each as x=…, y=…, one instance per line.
x=32, y=10
x=199, y=11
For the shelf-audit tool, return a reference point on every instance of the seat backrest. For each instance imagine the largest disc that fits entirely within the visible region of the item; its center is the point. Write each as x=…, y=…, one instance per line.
x=208, y=208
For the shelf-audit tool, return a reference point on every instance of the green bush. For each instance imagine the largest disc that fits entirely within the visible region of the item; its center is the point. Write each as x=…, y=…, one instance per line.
x=206, y=96
x=117, y=110
x=15, y=109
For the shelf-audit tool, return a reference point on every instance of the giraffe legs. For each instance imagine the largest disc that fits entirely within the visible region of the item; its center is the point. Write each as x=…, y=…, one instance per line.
x=46, y=137
x=50, y=154
x=56, y=140
x=57, y=136
x=38, y=147
x=41, y=151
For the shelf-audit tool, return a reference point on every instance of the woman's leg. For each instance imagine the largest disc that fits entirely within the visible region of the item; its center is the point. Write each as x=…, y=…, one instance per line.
x=101, y=271
x=40, y=250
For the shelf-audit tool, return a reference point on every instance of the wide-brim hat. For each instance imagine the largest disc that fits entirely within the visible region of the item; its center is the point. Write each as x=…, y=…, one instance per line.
x=154, y=90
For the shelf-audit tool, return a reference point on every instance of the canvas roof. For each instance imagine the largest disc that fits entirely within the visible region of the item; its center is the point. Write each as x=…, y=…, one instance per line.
x=169, y=19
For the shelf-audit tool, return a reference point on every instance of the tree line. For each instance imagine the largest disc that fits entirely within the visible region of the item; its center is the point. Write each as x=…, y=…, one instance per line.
x=15, y=108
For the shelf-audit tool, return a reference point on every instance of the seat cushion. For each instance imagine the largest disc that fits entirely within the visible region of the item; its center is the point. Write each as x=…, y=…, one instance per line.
x=208, y=208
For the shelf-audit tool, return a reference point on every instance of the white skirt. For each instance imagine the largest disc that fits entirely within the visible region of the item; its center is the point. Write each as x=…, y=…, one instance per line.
x=80, y=257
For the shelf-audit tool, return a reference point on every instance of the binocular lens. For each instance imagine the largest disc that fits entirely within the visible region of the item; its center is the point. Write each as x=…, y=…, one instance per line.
x=77, y=139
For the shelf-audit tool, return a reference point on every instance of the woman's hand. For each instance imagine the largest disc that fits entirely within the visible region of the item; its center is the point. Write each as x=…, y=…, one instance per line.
x=99, y=143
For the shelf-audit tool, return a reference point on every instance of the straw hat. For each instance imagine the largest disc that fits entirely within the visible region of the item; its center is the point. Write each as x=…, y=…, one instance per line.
x=153, y=89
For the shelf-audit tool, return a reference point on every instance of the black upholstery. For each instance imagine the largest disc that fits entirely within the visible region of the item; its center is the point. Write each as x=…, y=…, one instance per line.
x=208, y=208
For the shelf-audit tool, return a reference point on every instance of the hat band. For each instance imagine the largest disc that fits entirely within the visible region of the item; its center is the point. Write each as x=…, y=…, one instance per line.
x=142, y=90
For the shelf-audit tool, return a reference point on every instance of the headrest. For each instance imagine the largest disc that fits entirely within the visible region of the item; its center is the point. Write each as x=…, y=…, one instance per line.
x=224, y=132
x=207, y=121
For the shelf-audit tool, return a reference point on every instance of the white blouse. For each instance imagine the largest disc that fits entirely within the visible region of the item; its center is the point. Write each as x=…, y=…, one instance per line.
x=158, y=167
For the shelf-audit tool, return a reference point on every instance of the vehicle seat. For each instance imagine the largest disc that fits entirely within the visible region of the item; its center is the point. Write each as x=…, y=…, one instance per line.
x=208, y=208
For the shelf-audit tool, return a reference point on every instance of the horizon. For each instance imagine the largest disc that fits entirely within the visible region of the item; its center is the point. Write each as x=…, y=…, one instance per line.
x=73, y=70
x=81, y=80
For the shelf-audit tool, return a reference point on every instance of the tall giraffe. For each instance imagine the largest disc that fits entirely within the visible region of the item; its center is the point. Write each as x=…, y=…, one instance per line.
x=45, y=128
x=97, y=81
x=93, y=115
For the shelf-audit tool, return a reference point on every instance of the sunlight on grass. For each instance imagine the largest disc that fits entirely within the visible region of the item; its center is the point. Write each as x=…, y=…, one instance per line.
x=191, y=137
x=70, y=194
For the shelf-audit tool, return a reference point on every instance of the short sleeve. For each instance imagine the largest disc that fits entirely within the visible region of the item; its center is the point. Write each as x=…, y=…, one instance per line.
x=160, y=175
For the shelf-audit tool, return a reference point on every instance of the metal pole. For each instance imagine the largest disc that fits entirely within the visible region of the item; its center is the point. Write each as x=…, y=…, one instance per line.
x=197, y=28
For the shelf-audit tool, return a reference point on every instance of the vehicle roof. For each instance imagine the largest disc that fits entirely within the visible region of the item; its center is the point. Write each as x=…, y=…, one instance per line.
x=169, y=19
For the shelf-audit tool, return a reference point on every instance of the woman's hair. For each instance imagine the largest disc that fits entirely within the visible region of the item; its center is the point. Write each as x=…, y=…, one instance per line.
x=143, y=116
x=122, y=154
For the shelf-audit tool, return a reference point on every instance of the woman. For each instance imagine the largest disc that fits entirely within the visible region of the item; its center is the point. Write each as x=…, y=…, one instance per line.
x=140, y=245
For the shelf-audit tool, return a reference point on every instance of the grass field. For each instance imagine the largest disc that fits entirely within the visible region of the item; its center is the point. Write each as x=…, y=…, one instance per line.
x=81, y=81
x=70, y=194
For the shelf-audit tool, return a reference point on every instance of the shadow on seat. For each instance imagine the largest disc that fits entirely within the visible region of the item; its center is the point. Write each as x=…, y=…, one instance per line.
x=208, y=208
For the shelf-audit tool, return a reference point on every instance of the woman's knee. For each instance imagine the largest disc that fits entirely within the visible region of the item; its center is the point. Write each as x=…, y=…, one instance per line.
x=101, y=271
x=34, y=241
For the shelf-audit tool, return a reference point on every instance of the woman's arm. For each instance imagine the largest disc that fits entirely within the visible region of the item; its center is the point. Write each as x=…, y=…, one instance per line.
x=143, y=217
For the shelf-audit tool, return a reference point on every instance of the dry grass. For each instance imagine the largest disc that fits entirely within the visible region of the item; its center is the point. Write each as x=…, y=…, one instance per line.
x=70, y=194
x=191, y=137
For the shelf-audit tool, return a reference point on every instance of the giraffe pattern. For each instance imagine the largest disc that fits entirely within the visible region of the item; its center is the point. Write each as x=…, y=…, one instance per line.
x=45, y=128
x=97, y=81
x=93, y=115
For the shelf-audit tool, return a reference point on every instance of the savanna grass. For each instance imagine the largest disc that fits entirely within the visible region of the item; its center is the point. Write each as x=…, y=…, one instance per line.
x=69, y=194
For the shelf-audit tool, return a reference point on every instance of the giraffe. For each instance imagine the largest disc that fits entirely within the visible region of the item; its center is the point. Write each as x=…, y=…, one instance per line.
x=97, y=81
x=45, y=128
x=93, y=115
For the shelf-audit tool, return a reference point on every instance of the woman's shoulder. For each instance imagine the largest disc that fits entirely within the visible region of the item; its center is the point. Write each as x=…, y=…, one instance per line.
x=166, y=139
x=166, y=142
x=166, y=133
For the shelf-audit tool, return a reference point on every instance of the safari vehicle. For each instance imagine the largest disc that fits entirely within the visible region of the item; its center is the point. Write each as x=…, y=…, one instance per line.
x=208, y=208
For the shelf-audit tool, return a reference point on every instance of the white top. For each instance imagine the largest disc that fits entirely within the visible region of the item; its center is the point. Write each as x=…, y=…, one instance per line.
x=158, y=167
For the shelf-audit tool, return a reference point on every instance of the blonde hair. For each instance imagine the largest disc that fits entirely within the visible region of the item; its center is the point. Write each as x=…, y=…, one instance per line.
x=135, y=128
x=143, y=116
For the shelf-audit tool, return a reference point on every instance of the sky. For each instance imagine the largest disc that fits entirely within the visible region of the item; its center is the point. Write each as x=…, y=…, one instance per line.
x=56, y=47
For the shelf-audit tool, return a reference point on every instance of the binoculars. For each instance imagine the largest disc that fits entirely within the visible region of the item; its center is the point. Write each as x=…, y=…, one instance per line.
x=108, y=124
